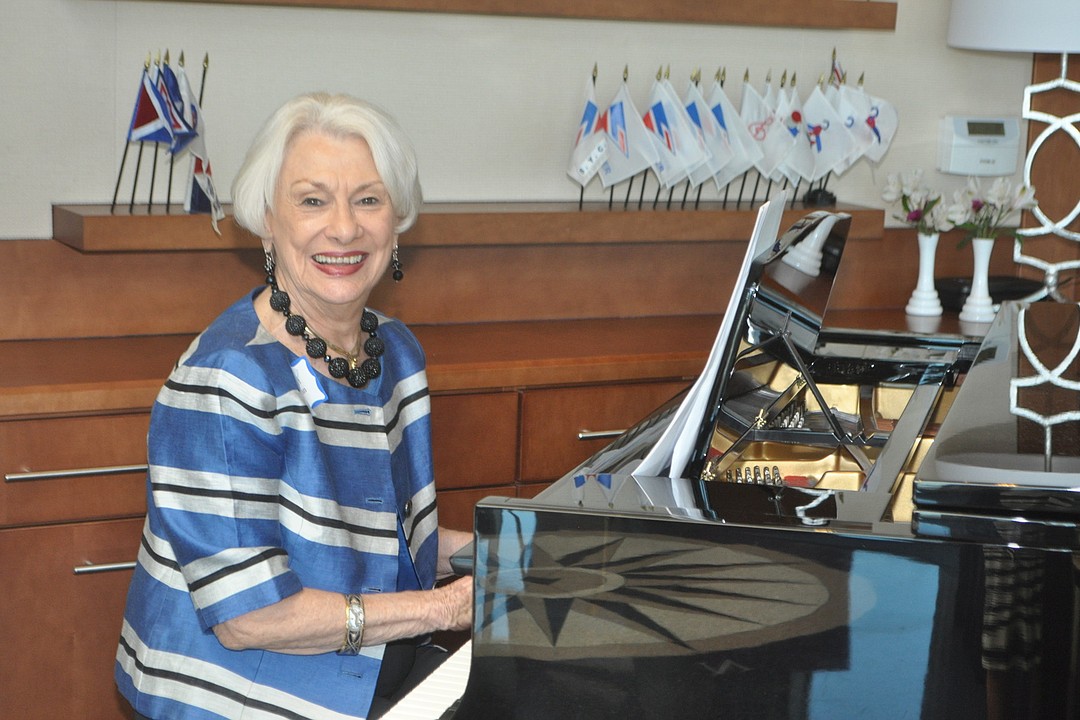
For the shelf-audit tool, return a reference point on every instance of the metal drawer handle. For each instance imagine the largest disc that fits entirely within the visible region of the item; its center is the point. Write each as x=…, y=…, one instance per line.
x=77, y=472
x=598, y=434
x=103, y=568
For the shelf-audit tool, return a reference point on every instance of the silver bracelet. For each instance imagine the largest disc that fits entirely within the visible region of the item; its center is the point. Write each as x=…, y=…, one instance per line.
x=354, y=625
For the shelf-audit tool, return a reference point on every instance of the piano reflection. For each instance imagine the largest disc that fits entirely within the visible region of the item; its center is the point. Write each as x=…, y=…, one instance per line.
x=828, y=524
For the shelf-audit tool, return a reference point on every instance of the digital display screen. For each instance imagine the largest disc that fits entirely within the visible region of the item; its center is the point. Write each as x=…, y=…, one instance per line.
x=986, y=128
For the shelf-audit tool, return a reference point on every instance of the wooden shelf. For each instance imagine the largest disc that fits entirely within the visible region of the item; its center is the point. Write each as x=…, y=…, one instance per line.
x=96, y=228
x=93, y=228
x=104, y=375
x=858, y=14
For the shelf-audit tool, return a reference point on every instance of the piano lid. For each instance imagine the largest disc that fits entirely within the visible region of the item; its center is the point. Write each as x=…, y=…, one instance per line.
x=784, y=400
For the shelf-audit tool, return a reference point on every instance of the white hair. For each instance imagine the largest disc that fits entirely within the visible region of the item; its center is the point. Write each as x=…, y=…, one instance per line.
x=337, y=116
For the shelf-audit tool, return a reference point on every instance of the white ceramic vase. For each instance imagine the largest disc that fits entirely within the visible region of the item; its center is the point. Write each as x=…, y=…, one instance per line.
x=924, y=301
x=978, y=307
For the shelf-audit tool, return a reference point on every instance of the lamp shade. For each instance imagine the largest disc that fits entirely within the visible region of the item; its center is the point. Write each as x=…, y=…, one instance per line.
x=1030, y=26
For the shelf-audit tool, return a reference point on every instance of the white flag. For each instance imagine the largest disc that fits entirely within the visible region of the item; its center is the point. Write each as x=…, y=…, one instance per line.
x=799, y=163
x=674, y=142
x=883, y=120
x=629, y=147
x=760, y=122
x=830, y=141
x=744, y=151
x=710, y=134
x=589, y=149
x=853, y=105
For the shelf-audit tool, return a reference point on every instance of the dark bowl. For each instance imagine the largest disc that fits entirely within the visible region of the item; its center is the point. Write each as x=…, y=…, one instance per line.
x=953, y=291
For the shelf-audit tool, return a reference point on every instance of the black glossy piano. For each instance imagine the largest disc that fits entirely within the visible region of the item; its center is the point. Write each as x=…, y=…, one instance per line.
x=829, y=524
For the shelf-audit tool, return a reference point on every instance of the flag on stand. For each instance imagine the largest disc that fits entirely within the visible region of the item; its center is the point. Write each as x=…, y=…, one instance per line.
x=744, y=151
x=883, y=120
x=710, y=134
x=201, y=195
x=675, y=145
x=799, y=163
x=830, y=141
x=150, y=120
x=629, y=147
x=590, y=148
x=693, y=153
x=760, y=121
x=169, y=89
x=853, y=105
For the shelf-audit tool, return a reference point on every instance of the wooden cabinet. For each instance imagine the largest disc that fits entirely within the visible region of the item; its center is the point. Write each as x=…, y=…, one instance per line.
x=60, y=469
x=60, y=628
x=474, y=449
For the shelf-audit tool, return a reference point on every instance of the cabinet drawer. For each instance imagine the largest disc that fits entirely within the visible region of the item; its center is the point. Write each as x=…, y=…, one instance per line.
x=62, y=628
x=551, y=420
x=456, y=506
x=58, y=469
x=474, y=439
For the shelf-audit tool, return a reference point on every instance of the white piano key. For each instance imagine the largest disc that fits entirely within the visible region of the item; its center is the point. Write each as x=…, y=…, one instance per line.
x=438, y=691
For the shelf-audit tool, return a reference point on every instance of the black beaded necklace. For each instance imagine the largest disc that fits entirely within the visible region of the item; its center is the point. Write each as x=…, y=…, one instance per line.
x=355, y=372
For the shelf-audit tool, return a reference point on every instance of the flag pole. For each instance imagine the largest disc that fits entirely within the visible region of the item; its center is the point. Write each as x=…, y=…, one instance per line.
x=138, y=159
x=172, y=156
x=135, y=182
x=644, y=182
x=581, y=194
x=153, y=167
x=116, y=190
x=629, y=188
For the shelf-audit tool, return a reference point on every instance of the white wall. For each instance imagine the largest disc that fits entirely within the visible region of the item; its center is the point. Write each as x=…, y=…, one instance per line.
x=490, y=102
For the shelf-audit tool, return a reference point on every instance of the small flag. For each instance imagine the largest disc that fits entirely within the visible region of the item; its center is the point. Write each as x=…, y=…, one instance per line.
x=676, y=147
x=799, y=163
x=590, y=148
x=744, y=151
x=150, y=119
x=629, y=147
x=710, y=134
x=201, y=196
x=761, y=123
x=169, y=89
x=883, y=121
x=830, y=142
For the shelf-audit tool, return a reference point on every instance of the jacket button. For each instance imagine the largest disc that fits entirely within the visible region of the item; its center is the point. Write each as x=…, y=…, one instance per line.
x=407, y=510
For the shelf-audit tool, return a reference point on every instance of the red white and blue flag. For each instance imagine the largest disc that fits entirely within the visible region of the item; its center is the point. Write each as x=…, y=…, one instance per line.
x=201, y=194
x=151, y=118
x=168, y=87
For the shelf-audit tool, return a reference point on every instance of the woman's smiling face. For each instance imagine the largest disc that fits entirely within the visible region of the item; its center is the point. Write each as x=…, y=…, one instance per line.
x=332, y=226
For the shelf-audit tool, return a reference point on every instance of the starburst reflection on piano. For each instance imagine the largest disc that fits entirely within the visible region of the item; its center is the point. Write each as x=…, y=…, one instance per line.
x=655, y=594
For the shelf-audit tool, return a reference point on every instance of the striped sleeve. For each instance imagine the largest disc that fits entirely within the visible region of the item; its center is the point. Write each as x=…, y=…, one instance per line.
x=216, y=458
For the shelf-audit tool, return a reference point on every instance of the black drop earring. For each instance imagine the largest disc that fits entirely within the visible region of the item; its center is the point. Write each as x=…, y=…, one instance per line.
x=268, y=264
x=395, y=265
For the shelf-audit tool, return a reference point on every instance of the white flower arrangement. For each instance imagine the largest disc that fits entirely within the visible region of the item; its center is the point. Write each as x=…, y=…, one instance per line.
x=989, y=214
x=922, y=206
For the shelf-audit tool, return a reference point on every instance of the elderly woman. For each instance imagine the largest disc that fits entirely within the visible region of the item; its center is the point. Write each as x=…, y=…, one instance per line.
x=291, y=547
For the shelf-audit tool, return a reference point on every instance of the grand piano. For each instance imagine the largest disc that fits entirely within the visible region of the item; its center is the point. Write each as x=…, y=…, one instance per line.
x=829, y=523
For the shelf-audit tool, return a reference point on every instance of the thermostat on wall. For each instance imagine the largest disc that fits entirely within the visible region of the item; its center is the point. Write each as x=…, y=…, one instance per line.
x=978, y=146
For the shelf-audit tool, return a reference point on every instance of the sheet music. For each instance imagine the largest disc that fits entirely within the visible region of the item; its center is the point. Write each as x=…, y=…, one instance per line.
x=671, y=453
x=438, y=691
